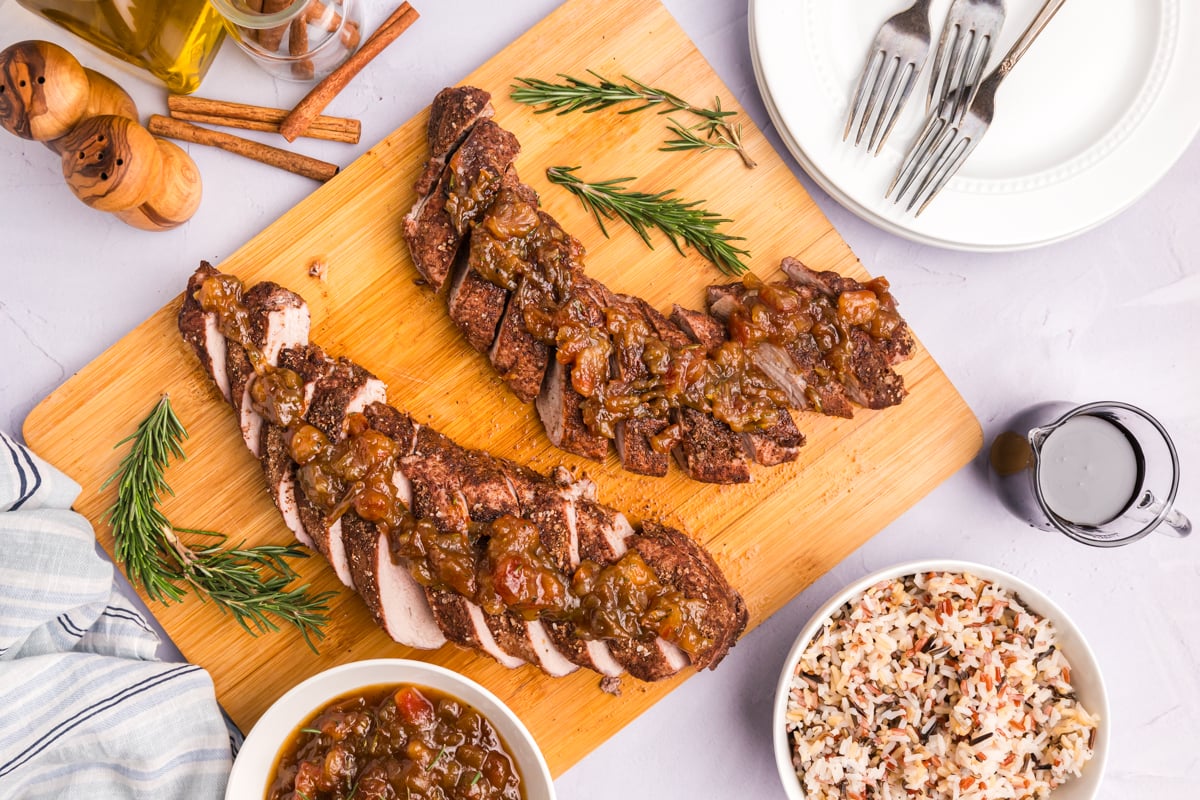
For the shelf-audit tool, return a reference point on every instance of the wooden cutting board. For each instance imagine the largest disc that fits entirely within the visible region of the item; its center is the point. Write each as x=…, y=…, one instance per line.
x=773, y=537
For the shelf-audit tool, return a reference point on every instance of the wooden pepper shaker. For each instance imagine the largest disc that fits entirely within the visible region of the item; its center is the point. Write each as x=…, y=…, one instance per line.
x=43, y=90
x=109, y=161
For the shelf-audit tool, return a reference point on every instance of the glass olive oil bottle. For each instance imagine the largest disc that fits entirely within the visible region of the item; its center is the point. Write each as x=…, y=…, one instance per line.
x=175, y=40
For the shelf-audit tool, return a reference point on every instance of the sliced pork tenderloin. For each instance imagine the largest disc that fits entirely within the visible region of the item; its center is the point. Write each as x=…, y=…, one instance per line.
x=453, y=113
x=200, y=330
x=777, y=444
x=518, y=357
x=475, y=305
x=701, y=328
x=677, y=560
x=396, y=601
x=708, y=449
x=559, y=406
x=435, y=229
x=634, y=436
x=465, y=623
x=277, y=464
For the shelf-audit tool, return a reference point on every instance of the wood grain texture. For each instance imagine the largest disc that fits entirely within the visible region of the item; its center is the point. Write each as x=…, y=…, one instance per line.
x=773, y=537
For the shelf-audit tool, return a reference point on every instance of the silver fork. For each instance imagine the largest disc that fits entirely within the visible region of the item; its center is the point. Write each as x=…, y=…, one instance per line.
x=946, y=142
x=894, y=61
x=970, y=32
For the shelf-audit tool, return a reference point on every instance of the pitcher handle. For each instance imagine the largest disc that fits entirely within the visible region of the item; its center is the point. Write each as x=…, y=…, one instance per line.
x=1172, y=522
x=1176, y=524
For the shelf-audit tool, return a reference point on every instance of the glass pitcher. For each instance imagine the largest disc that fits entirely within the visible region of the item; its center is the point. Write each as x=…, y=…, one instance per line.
x=1105, y=474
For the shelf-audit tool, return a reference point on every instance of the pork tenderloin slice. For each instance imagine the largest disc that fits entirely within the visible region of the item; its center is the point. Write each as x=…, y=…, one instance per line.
x=708, y=449
x=637, y=454
x=200, y=330
x=277, y=318
x=649, y=659
x=344, y=389
x=603, y=533
x=432, y=233
x=723, y=299
x=432, y=241
x=444, y=474
x=518, y=357
x=826, y=282
x=701, y=328
x=453, y=113
x=464, y=623
x=475, y=305
x=548, y=656
x=276, y=462
x=552, y=508
x=479, y=167
x=241, y=374
x=396, y=601
x=559, y=407
x=678, y=561
x=326, y=534
x=777, y=444
x=397, y=425
x=511, y=636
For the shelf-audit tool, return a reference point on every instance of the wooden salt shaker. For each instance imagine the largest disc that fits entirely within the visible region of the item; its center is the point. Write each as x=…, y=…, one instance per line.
x=110, y=162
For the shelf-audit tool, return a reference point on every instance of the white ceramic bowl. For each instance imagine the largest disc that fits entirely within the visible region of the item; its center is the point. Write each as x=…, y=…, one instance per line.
x=252, y=770
x=1085, y=672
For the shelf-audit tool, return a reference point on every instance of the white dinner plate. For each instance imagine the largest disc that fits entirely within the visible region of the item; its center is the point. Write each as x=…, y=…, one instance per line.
x=1093, y=115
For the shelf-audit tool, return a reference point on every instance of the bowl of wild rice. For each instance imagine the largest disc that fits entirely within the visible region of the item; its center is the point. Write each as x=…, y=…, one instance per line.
x=944, y=680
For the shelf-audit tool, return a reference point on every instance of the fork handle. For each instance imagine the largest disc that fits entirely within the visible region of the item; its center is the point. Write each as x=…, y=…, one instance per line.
x=1026, y=39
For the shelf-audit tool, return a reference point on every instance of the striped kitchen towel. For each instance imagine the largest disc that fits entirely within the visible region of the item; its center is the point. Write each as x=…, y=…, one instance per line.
x=85, y=709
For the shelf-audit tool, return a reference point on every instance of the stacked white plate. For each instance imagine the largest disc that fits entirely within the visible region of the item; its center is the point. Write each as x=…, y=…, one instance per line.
x=1096, y=112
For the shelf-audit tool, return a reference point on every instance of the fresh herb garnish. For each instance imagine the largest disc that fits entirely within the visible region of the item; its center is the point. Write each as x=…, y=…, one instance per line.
x=313, y=731
x=714, y=131
x=436, y=758
x=475, y=780
x=682, y=222
x=251, y=583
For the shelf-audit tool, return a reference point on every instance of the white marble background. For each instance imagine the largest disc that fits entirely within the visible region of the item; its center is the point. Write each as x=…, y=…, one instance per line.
x=1112, y=314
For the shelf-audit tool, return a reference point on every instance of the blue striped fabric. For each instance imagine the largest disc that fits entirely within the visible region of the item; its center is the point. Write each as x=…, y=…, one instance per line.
x=85, y=709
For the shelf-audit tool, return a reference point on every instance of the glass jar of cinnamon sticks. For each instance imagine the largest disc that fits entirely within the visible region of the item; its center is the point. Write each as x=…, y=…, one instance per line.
x=297, y=40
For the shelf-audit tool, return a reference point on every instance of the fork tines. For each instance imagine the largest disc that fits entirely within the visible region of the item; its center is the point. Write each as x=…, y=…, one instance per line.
x=895, y=59
x=899, y=80
x=965, y=45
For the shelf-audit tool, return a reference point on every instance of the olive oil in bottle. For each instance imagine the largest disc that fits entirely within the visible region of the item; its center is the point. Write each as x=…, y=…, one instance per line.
x=174, y=40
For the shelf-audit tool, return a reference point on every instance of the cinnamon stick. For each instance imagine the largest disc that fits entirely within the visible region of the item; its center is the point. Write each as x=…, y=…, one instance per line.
x=258, y=118
x=302, y=68
x=324, y=92
x=265, y=153
x=272, y=38
x=323, y=15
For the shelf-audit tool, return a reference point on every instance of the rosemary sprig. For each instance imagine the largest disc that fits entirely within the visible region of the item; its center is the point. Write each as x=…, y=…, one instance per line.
x=681, y=221
x=579, y=95
x=717, y=136
x=250, y=583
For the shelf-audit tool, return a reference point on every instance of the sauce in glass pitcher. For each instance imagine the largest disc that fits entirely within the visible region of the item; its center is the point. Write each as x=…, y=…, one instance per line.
x=1090, y=470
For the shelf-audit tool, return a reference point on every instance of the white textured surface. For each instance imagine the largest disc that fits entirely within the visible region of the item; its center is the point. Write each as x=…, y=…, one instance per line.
x=1112, y=314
